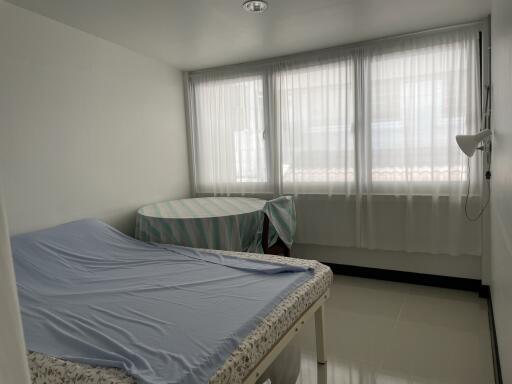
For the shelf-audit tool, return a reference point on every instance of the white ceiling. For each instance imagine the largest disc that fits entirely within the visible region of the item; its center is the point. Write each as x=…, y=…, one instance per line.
x=192, y=34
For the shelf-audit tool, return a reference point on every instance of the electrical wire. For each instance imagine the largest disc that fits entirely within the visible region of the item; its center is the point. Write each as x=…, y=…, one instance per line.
x=488, y=182
x=487, y=151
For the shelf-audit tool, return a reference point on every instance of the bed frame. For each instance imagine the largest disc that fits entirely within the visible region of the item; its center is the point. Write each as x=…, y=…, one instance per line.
x=317, y=308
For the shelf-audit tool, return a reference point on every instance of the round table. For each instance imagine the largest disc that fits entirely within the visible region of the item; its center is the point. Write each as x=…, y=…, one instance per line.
x=228, y=223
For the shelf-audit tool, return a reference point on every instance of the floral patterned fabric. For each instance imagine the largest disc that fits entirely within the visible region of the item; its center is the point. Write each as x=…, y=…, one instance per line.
x=49, y=370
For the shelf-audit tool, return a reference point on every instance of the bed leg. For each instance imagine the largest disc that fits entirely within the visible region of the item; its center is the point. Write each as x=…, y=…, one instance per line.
x=320, y=335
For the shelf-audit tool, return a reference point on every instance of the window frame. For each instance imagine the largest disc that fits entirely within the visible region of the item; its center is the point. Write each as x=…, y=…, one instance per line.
x=274, y=184
x=238, y=187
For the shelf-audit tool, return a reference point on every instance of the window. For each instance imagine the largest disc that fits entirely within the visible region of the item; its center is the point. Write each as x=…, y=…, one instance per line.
x=420, y=98
x=230, y=146
x=378, y=119
x=315, y=119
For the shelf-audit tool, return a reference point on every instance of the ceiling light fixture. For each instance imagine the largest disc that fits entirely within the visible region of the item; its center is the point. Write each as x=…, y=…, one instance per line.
x=255, y=6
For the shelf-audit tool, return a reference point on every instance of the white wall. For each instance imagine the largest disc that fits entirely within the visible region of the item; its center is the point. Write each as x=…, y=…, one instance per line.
x=466, y=266
x=13, y=355
x=87, y=128
x=501, y=203
x=326, y=231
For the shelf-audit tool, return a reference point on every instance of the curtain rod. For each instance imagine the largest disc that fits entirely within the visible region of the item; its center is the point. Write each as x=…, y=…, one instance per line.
x=360, y=44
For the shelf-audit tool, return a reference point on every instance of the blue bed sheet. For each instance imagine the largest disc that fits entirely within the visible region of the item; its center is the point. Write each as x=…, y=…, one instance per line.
x=165, y=314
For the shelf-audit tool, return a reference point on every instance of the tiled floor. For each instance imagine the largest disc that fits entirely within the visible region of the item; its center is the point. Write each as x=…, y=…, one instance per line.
x=391, y=333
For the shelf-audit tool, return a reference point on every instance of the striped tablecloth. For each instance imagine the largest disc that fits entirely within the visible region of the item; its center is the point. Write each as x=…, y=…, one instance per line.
x=227, y=223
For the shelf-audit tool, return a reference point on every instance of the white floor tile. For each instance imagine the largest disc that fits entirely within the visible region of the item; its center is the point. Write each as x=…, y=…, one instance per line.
x=391, y=333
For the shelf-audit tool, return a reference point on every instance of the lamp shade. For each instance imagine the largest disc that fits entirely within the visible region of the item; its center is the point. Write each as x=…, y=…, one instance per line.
x=469, y=143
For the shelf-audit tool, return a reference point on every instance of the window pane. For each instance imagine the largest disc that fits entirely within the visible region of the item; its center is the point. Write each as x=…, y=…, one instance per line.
x=315, y=117
x=230, y=145
x=414, y=95
x=419, y=100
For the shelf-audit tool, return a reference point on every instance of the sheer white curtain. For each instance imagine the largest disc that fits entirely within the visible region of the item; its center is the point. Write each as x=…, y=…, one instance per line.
x=314, y=120
x=229, y=136
x=374, y=123
x=418, y=93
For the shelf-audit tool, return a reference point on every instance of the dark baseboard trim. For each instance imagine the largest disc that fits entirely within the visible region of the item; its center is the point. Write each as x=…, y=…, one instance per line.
x=484, y=291
x=494, y=341
x=473, y=285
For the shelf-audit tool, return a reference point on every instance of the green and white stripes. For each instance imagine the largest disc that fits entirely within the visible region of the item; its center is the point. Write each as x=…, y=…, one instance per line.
x=228, y=223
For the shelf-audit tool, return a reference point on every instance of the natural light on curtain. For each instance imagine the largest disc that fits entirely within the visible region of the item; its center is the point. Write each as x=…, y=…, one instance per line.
x=375, y=123
x=418, y=94
x=377, y=119
x=314, y=112
x=229, y=140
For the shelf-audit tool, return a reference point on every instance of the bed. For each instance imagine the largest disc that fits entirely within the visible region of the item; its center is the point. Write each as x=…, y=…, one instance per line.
x=101, y=307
